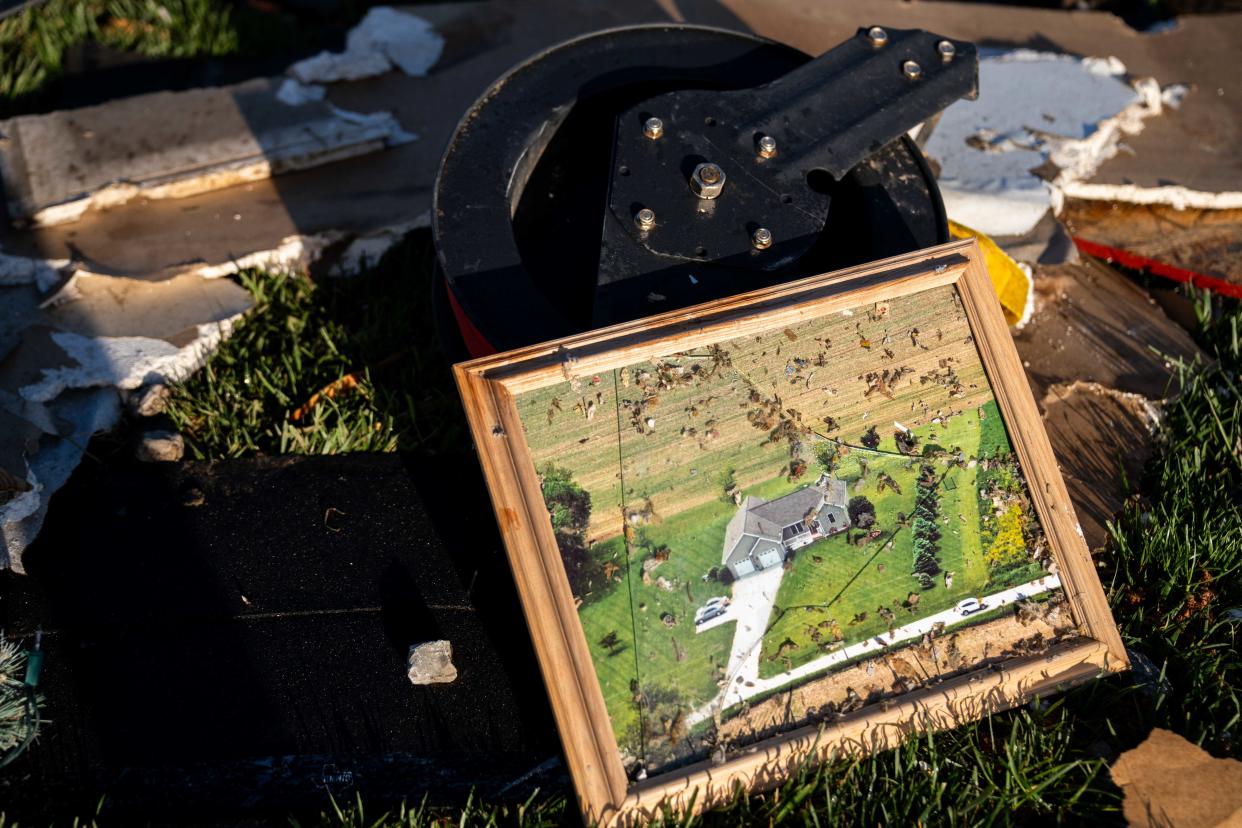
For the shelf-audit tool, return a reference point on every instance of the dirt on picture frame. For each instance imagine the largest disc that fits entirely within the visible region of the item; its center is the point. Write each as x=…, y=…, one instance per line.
x=772, y=516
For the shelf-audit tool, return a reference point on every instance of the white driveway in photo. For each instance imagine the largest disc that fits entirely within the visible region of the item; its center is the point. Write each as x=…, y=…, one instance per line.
x=743, y=673
x=751, y=607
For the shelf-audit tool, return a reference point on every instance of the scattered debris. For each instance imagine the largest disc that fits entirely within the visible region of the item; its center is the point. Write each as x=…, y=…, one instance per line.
x=24, y=270
x=295, y=93
x=150, y=400
x=337, y=388
x=989, y=150
x=1189, y=245
x=78, y=415
x=384, y=39
x=125, y=362
x=1172, y=783
x=1090, y=323
x=431, y=663
x=160, y=447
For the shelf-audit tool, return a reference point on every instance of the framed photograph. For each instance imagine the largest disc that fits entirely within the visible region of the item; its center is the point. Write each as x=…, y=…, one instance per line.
x=804, y=521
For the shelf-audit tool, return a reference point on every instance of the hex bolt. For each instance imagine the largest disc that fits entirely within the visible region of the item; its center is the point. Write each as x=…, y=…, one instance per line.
x=911, y=70
x=707, y=180
x=877, y=36
x=947, y=50
x=767, y=146
x=645, y=218
x=653, y=128
x=761, y=238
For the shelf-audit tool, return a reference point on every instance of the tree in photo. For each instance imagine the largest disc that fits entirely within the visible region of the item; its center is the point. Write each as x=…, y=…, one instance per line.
x=907, y=443
x=662, y=732
x=1008, y=548
x=925, y=530
x=826, y=456
x=729, y=491
x=612, y=643
x=569, y=507
x=861, y=511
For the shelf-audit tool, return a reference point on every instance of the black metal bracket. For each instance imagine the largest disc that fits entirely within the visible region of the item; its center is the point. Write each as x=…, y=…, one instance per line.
x=824, y=118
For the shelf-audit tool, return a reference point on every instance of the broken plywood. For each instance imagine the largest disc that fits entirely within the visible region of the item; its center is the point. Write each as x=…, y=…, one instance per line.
x=58, y=165
x=1090, y=323
x=1096, y=353
x=1208, y=242
x=1102, y=439
x=171, y=309
x=1036, y=111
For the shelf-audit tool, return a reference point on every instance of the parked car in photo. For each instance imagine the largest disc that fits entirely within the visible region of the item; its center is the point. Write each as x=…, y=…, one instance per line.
x=970, y=606
x=714, y=608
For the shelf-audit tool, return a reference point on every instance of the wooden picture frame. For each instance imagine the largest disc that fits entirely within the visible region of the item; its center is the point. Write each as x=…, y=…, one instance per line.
x=489, y=387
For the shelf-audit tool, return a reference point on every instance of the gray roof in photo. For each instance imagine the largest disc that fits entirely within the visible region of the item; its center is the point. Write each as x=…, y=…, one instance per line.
x=747, y=522
x=789, y=509
x=764, y=519
x=836, y=493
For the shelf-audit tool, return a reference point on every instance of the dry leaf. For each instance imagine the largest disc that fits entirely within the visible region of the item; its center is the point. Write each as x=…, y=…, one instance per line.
x=332, y=390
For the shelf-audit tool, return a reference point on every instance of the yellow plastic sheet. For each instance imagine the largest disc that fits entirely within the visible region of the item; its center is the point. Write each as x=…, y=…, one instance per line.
x=1012, y=282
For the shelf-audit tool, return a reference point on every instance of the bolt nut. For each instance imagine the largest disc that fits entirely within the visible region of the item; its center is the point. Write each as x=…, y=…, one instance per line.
x=767, y=146
x=645, y=218
x=877, y=36
x=761, y=238
x=911, y=70
x=653, y=128
x=707, y=180
x=947, y=50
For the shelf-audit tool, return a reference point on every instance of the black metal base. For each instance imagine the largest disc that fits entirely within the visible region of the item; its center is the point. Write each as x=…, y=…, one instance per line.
x=523, y=188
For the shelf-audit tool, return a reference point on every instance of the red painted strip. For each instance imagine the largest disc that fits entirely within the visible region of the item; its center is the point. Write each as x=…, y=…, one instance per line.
x=1137, y=262
x=476, y=343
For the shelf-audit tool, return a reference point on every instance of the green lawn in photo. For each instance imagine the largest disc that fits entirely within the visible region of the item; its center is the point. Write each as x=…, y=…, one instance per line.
x=695, y=539
x=837, y=582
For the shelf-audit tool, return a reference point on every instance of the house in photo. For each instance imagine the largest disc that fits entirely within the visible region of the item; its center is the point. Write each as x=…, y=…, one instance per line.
x=763, y=532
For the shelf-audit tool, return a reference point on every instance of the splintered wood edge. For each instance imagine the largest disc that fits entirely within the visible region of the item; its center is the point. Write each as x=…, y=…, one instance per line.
x=488, y=386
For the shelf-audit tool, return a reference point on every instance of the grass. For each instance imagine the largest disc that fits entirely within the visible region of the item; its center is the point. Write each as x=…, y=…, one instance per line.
x=1172, y=572
x=302, y=338
x=36, y=43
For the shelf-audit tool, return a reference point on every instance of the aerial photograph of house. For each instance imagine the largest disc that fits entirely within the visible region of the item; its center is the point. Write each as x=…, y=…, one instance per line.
x=786, y=526
x=762, y=533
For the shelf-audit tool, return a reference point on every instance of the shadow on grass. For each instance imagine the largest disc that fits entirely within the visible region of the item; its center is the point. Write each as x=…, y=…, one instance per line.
x=329, y=365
